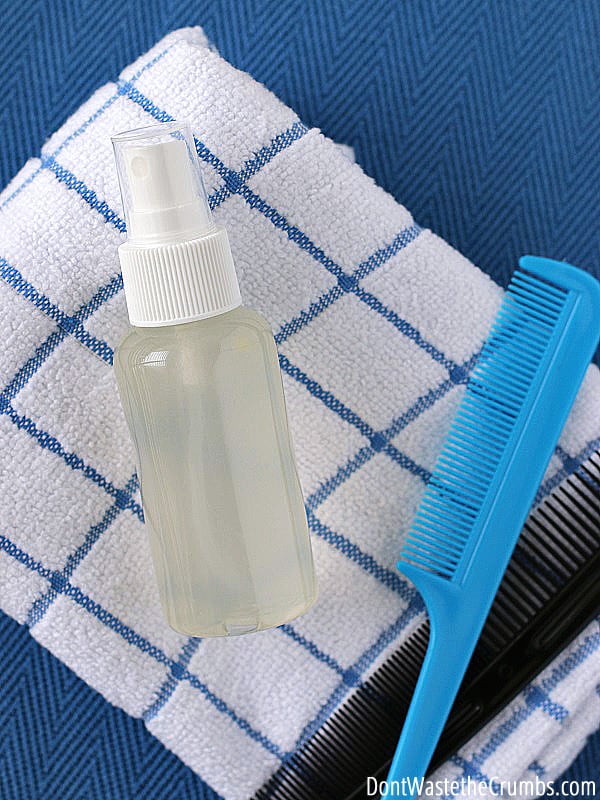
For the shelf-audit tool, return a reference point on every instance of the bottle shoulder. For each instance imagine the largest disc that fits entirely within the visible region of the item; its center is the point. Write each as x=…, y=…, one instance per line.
x=239, y=325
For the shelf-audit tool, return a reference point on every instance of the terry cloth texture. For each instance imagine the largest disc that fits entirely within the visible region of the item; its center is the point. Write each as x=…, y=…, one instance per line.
x=378, y=324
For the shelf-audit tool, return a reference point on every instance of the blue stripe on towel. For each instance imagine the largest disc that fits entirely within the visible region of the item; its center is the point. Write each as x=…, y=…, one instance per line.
x=388, y=577
x=414, y=608
x=175, y=674
x=534, y=700
x=61, y=739
x=48, y=442
x=122, y=501
x=63, y=175
x=69, y=590
x=70, y=324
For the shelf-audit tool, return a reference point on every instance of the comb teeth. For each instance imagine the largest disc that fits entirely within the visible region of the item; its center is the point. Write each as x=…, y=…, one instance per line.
x=495, y=403
x=558, y=548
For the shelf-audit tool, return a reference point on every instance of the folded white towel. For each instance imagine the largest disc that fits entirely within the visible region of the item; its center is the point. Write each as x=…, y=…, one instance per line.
x=377, y=323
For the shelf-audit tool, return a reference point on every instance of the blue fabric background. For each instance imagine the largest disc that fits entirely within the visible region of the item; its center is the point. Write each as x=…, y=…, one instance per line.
x=481, y=117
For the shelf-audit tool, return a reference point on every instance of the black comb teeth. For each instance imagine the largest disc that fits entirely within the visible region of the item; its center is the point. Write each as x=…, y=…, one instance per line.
x=550, y=591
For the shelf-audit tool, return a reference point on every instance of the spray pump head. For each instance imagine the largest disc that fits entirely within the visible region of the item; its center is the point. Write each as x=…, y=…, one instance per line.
x=176, y=263
x=163, y=194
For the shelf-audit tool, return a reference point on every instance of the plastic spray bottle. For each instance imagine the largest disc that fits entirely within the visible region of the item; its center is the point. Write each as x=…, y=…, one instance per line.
x=199, y=380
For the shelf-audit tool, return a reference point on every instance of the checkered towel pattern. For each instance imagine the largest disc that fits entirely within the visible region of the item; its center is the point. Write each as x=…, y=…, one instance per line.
x=378, y=324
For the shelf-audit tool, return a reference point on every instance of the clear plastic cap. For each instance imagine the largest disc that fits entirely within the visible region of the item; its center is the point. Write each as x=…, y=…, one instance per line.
x=164, y=199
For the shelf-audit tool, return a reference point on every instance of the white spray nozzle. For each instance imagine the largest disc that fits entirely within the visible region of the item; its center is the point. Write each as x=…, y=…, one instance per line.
x=177, y=265
x=164, y=199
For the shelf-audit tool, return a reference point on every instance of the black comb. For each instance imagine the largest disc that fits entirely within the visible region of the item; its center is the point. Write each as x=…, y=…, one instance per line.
x=550, y=591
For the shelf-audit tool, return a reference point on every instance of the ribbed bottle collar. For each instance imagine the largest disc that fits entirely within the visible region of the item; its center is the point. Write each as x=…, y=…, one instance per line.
x=181, y=282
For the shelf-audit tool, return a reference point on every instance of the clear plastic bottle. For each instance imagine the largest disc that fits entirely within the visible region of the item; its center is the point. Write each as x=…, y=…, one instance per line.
x=200, y=384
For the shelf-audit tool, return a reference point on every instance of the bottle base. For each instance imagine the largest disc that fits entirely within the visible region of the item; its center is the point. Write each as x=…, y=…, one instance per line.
x=241, y=626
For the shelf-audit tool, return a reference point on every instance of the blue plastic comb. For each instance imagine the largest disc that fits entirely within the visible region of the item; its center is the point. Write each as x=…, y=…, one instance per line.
x=485, y=481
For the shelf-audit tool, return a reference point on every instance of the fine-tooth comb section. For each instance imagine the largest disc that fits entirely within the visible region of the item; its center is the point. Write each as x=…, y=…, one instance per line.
x=553, y=569
x=508, y=369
